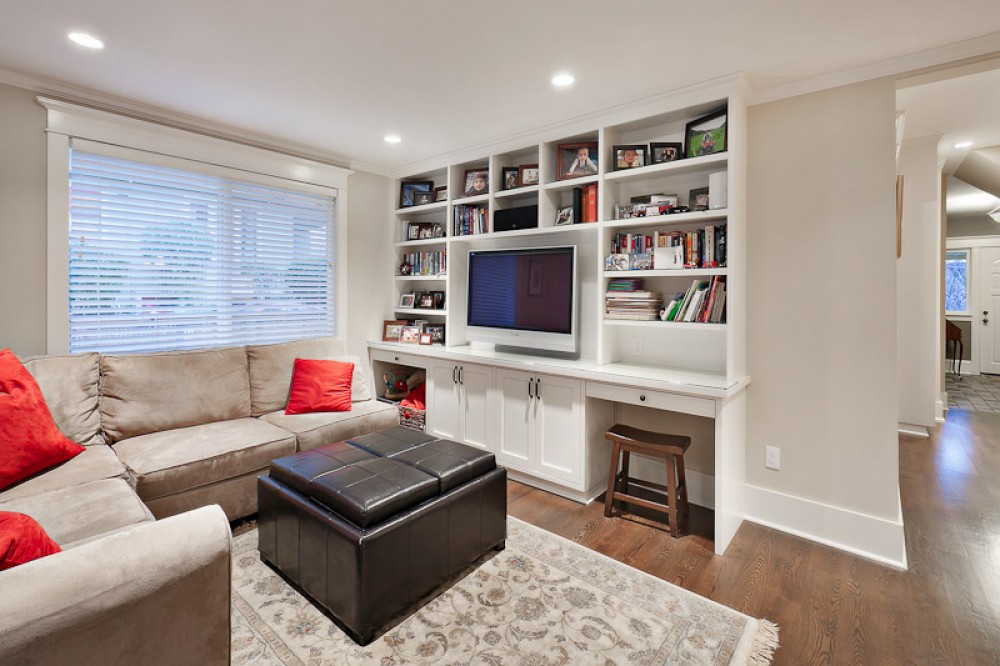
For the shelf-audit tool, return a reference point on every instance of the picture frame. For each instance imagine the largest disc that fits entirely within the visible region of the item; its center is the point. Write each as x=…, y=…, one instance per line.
x=564, y=216
x=409, y=334
x=576, y=160
x=426, y=231
x=437, y=231
x=662, y=152
x=510, y=178
x=409, y=187
x=392, y=329
x=426, y=339
x=631, y=156
x=406, y=301
x=528, y=174
x=706, y=135
x=426, y=301
x=698, y=199
x=436, y=331
x=423, y=198
x=441, y=193
x=438, y=300
x=412, y=230
x=477, y=181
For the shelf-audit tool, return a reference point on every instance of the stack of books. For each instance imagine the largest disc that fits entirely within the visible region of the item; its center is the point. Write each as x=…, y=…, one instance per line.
x=626, y=299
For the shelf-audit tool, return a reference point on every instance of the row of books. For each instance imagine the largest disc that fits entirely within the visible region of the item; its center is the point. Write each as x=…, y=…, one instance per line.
x=471, y=220
x=701, y=248
x=426, y=263
x=627, y=299
x=585, y=203
x=703, y=302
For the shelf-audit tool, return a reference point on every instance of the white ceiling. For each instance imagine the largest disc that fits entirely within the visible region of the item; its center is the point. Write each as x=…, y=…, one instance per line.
x=335, y=76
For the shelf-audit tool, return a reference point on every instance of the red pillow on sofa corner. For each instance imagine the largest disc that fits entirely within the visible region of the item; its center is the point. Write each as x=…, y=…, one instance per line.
x=320, y=386
x=22, y=540
x=30, y=441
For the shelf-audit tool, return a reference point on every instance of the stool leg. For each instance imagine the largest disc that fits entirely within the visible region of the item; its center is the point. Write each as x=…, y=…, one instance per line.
x=682, y=482
x=609, y=495
x=671, y=495
x=626, y=457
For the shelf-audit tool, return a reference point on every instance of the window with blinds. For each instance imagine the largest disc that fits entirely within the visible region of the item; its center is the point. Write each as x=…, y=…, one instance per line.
x=166, y=258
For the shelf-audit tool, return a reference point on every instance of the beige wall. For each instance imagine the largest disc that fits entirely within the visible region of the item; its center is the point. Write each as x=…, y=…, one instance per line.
x=918, y=278
x=369, y=260
x=23, y=230
x=822, y=297
x=961, y=226
x=22, y=222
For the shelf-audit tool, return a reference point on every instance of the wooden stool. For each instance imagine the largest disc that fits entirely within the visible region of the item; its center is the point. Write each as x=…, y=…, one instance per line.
x=627, y=440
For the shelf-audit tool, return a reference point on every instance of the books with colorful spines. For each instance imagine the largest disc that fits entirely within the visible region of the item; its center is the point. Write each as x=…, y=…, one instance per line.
x=688, y=295
x=719, y=307
x=631, y=295
x=713, y=290
x=693, y=307
x=590, y=207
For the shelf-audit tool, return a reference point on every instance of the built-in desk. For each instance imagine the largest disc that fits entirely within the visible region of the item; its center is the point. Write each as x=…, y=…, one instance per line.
x=545, y=417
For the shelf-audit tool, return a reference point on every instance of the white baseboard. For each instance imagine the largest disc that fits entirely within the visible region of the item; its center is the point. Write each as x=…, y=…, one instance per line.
x=941, y=407
x=701, y=487
x=874, y=538
x=913, y=429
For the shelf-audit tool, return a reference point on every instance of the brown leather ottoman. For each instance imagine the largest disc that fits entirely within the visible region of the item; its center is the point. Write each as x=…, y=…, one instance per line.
x=368, y=526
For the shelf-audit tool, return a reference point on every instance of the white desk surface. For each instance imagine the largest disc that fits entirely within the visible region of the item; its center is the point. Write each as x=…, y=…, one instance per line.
x=674, y=380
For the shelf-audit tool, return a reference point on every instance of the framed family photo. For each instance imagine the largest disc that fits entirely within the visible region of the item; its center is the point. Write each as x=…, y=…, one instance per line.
x=408, y=190
x=706, y=135
x=665, y=152
x=392, y=329
x=630, y=157
x=510, y=180
x=574, y=160
x=477, y=181
x=527, y=174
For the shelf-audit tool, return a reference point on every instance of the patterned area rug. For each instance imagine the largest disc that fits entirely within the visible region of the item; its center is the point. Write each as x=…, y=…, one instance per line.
x=544, y=600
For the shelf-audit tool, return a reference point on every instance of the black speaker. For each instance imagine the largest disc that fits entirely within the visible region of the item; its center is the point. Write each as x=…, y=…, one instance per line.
x=512, y=219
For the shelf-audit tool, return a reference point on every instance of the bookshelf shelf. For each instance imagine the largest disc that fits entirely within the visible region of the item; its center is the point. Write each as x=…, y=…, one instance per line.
x=421, y=311
x=426, y=208
x=695, y=217
x=571, y=183
x=675, y=272
x=517, y=192
x=538, y=231
x=657, y=171
x=665, y=325
x=440, y=240
x=421, y=278
x=470, y=201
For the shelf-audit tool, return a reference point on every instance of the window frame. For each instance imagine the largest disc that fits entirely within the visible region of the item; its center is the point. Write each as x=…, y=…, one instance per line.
x=968, y=282
x=66, y=121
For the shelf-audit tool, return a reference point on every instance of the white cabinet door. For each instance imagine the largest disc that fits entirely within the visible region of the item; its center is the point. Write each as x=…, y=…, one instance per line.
x=514, y=445
x=444, y=407
x=476, y=387
x=559, y=428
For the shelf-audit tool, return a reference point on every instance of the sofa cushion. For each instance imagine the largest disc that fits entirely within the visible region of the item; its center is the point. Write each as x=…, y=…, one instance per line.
x=146, y=393
x=95, y=463
x=271, y=368
x=30, y=442
x=313, y=430
x=74, y=514
x=69, y=384
x=22, y=540
x=320, y=386
x=173, y=461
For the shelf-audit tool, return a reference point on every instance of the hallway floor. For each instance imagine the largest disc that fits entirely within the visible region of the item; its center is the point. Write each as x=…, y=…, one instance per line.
x=980, y=393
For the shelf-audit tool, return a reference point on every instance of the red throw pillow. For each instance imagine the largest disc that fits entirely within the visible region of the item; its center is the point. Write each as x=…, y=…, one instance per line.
x=30, y=441
x=320, y=386
x=22, y=539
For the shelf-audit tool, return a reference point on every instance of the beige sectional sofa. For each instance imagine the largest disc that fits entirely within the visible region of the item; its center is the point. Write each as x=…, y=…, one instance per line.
x=165, y=434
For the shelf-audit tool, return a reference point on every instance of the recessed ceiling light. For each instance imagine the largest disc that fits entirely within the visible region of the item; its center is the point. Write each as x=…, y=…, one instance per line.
x=85, y=40
x=392, y=138
x=563, y=79
x=963, y=144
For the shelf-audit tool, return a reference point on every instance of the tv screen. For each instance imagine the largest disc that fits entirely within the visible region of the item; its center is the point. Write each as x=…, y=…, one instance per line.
x=527, y=290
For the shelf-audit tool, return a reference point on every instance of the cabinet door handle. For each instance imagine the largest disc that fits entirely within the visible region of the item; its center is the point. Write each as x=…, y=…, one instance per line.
x=461, y=375
x=454, y=374
x=531, y=381
x=642, y=397
x=538, y=388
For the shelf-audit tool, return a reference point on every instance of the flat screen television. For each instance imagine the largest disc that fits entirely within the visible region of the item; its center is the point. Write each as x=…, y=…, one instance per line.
x=524, y=298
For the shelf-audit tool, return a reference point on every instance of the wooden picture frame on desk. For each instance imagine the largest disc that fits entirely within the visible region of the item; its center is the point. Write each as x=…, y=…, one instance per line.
x=392, y=329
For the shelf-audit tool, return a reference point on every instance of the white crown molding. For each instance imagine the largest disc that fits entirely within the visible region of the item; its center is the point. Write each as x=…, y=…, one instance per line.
x=703, y=92
x=65, y=92
x=912, y=63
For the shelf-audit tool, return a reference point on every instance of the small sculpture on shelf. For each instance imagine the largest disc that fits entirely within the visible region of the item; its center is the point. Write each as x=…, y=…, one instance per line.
x=405, y=268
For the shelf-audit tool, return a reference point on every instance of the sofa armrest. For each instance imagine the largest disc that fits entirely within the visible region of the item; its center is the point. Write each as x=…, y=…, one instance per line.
x=158, y=593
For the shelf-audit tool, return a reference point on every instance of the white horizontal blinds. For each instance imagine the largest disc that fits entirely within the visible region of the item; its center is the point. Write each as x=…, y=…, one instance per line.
x=168, y=258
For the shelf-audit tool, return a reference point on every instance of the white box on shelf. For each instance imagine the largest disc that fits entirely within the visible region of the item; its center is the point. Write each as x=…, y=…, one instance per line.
x=668, y=257
x=718, y=190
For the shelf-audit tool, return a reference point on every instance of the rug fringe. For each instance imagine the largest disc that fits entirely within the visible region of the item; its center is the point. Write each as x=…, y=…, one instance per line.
x=764, y=643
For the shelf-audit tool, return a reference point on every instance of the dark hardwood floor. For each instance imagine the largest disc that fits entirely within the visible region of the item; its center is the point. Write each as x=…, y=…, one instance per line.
x=833, y=607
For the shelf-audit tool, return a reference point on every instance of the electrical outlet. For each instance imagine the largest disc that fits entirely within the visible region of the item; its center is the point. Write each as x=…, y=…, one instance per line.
x=637, y=346
x=772, y=457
